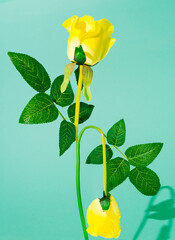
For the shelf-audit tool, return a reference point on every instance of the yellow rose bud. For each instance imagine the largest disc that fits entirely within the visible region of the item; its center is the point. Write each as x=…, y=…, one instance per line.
x=93, y=36
x=104, y=223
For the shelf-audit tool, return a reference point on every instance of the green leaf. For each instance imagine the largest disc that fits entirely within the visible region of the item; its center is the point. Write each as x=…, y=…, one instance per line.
x=85, y=112
x=116, y=134
x=96, y=156
x=40, y=109
x=62, y=99
x=31, y=70
x=117, y=171
x=66, y=136
x=145, y=180
x=142, y=155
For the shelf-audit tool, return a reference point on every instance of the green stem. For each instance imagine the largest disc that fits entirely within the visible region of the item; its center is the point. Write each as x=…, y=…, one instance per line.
x=61, y=115
x=79, y=191
x=118, y=149
x=78, y=178
x=121, y=152
x=87, y=127
x=76, y=122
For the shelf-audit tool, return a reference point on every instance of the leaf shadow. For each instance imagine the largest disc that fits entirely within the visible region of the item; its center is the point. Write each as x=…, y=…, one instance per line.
x=164, y=210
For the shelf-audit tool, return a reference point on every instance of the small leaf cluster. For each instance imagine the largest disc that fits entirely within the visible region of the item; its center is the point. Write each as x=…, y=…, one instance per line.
x=43, y=107
x=119, y=168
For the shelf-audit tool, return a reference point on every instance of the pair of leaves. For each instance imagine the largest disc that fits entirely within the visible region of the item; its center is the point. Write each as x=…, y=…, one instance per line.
x=143, y=178
x=41, y=108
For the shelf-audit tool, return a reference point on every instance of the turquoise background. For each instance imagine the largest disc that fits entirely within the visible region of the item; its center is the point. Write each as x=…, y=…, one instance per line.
x=135, y=82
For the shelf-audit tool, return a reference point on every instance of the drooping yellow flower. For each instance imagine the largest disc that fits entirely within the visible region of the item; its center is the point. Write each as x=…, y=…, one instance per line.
x=93, y=36
x=104, y=223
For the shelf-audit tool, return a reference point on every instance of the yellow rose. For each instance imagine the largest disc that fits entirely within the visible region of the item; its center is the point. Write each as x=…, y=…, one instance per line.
x=93, y=36
x=104, y=223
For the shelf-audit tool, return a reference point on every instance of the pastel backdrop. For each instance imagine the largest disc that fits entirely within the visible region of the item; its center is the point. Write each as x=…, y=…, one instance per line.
x=135, y=82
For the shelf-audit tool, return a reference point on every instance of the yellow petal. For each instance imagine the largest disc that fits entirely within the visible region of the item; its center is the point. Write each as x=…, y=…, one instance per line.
x=70, y=22
x=89, y=28
x=109, y=44
x=89, y=23
x=104, y=223
x=112, y=41
x=96, y=48
x=106, y=26
x=108, y=29
x=73, y=42
x=93, y=50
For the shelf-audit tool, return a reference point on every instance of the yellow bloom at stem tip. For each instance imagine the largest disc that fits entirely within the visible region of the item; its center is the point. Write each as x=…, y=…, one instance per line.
x=104, y=223
x=93, y=36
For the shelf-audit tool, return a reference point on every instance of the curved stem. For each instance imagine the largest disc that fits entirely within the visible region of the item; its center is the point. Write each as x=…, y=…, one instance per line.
x=87, y=127
x=104, y=153
x=78, y=174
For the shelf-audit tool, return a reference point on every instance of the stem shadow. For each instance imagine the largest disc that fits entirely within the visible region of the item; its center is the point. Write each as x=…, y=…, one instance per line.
x=164, y=210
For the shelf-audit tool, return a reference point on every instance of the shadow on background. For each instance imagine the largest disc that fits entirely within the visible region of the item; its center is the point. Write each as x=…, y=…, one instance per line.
x=164, y=210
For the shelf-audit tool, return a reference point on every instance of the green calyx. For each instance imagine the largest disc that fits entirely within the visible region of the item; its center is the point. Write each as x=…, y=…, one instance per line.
x=105, y=202
x=79, y=55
